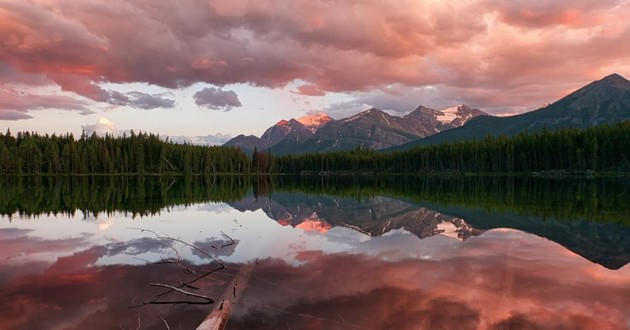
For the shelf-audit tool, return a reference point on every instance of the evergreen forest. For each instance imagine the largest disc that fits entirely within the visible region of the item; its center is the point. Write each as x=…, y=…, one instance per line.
x=597, y=149
x=603, y=148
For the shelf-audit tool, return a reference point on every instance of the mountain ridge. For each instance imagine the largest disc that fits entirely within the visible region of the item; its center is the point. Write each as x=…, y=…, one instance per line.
x=604, y=101
x=372, y=128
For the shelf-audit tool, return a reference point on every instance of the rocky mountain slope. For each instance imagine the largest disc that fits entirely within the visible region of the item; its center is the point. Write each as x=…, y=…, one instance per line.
x=294, y=131
x=373, y=128
x=605, y=101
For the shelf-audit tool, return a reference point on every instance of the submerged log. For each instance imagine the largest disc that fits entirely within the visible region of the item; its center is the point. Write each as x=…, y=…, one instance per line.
x=218, y=318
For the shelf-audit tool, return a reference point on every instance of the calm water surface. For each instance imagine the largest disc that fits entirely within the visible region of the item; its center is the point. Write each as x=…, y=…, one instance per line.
x=403, y=253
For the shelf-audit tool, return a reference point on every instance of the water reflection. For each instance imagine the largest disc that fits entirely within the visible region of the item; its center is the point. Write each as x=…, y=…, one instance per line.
x=605, y=243
x=503, y=279
x=364, y=253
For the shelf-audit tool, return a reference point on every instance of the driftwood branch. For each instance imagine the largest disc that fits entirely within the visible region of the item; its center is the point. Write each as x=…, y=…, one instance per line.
x=200, y=274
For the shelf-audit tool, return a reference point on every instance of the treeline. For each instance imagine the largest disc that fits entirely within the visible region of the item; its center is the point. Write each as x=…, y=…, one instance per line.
x=601, y=148
x=93, y=195
x=593, y=199
x=30, y=153
x=597, y=199
x=597, y=149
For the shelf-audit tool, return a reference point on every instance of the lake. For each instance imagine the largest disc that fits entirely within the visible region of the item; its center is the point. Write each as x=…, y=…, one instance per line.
x=327, y=252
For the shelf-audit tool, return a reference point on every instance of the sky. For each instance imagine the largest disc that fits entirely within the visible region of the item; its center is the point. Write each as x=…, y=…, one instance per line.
x=216, y=69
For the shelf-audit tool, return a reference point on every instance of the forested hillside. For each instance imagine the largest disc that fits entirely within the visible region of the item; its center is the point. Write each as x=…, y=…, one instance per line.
x=602, y=148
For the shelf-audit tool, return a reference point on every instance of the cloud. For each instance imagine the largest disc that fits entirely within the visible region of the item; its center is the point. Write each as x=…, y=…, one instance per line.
x=216, y=139
x=13, y=115
x=216, y=99
x=102, y=127
x=210, y=139
x=397, y=98
x=539, y=14
x=425, y=294
x=9, y=75
x=333, y=46
x=139, y=100
x=73, y=293
x=15, y=105
x=310, y=90
x=221, y=247
x=148, y=101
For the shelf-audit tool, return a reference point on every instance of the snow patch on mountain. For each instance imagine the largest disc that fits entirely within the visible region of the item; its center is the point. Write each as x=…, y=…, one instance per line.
x=315, y=120
x=447, y=115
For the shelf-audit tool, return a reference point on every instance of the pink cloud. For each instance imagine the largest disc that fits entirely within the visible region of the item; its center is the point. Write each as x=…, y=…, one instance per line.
x=538, y=14
x=15, y=101
x=498, y=290
x=310, y=90
x=498, y=47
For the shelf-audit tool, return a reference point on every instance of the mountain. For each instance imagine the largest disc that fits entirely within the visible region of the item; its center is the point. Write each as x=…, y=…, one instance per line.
x=426, y=121
x=376, y=129
x=247, y=143
x=315, y=121
x=369, y=129
x=294, y=131
x=606, y=101
x=286, y=129
x=374, y=216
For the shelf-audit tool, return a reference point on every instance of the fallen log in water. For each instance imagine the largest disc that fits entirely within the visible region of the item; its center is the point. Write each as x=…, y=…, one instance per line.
x=218, y=318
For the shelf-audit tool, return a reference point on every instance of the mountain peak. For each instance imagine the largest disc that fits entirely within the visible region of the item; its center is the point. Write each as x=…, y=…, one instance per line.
x=282, y=123
x=616, y=79
x=610, y=87
x=371, y=112
x=315, y=120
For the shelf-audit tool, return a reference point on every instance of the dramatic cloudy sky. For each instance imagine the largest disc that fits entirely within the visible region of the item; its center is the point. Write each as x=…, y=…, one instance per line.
x=204, y=68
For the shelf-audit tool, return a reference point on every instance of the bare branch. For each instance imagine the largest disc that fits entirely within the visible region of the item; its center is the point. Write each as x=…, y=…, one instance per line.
x=232, y=242
x=186, y=269
x=208, y=300
x=165, y=323
x=180, y=241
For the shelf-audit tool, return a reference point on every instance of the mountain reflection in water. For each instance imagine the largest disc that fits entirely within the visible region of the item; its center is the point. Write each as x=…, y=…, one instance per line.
x=430, y=255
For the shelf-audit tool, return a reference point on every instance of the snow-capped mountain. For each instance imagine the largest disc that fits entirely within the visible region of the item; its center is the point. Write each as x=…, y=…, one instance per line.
x=376, y=129
x=605, y=101
x=315, y=121
x=292, y=131
x=427, y=121
x=373, y=128
x=374, y=216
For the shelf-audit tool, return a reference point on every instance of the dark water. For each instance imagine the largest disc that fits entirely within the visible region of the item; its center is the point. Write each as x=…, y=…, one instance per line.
x=329, y=253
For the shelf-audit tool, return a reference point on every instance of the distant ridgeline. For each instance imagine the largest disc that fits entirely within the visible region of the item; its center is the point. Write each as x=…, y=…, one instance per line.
x=601, y=199
x=603, y=148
